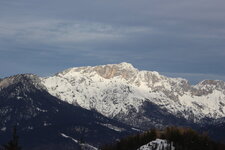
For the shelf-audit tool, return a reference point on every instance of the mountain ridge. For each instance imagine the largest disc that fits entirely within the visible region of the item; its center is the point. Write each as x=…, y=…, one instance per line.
x=80, y=85
x=41, y=118
x=132, y=100
x=121, y=87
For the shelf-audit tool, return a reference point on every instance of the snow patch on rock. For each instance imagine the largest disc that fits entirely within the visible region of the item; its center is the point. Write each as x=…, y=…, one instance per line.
x=158, y=144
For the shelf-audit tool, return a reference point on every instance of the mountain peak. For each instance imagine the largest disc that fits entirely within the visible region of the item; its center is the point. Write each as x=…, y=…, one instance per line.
x=21, y=78
x=211, y=84
x=125, y=65
x=108, y=71
x=126, y=70
x=119, y=66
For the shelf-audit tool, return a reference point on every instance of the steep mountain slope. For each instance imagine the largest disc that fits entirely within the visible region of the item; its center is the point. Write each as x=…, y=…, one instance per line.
x=123, y=92
x=43, y=121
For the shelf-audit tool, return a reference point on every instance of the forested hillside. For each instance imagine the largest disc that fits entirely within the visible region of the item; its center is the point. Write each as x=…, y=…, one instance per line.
x=180, y=138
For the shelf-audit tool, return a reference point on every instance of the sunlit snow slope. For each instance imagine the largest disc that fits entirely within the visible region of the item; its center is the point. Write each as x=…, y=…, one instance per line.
x=116, y=89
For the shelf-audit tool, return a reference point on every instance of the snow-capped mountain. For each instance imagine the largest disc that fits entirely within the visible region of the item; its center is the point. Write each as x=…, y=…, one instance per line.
x=101, y=99
x=43, y=120
x=124, y=92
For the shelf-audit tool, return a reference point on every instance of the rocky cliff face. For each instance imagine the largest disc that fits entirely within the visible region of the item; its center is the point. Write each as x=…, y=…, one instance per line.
x=121, y=91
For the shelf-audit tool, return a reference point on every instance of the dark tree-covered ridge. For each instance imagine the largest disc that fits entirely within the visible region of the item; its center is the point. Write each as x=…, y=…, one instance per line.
x=182, y=139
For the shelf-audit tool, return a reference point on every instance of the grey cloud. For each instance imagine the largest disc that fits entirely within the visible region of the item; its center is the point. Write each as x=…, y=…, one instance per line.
x=166, y=36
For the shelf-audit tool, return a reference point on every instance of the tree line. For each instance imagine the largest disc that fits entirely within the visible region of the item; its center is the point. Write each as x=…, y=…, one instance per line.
x=182, y=139
x=13, y=144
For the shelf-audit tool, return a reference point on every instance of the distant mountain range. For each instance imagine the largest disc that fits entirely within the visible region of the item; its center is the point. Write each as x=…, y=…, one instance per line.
x=102, y=103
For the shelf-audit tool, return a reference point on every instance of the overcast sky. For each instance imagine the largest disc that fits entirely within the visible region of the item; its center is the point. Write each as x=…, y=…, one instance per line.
x=178, y=38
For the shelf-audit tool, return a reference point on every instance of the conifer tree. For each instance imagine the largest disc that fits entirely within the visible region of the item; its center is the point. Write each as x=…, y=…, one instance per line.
x=13, y=143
